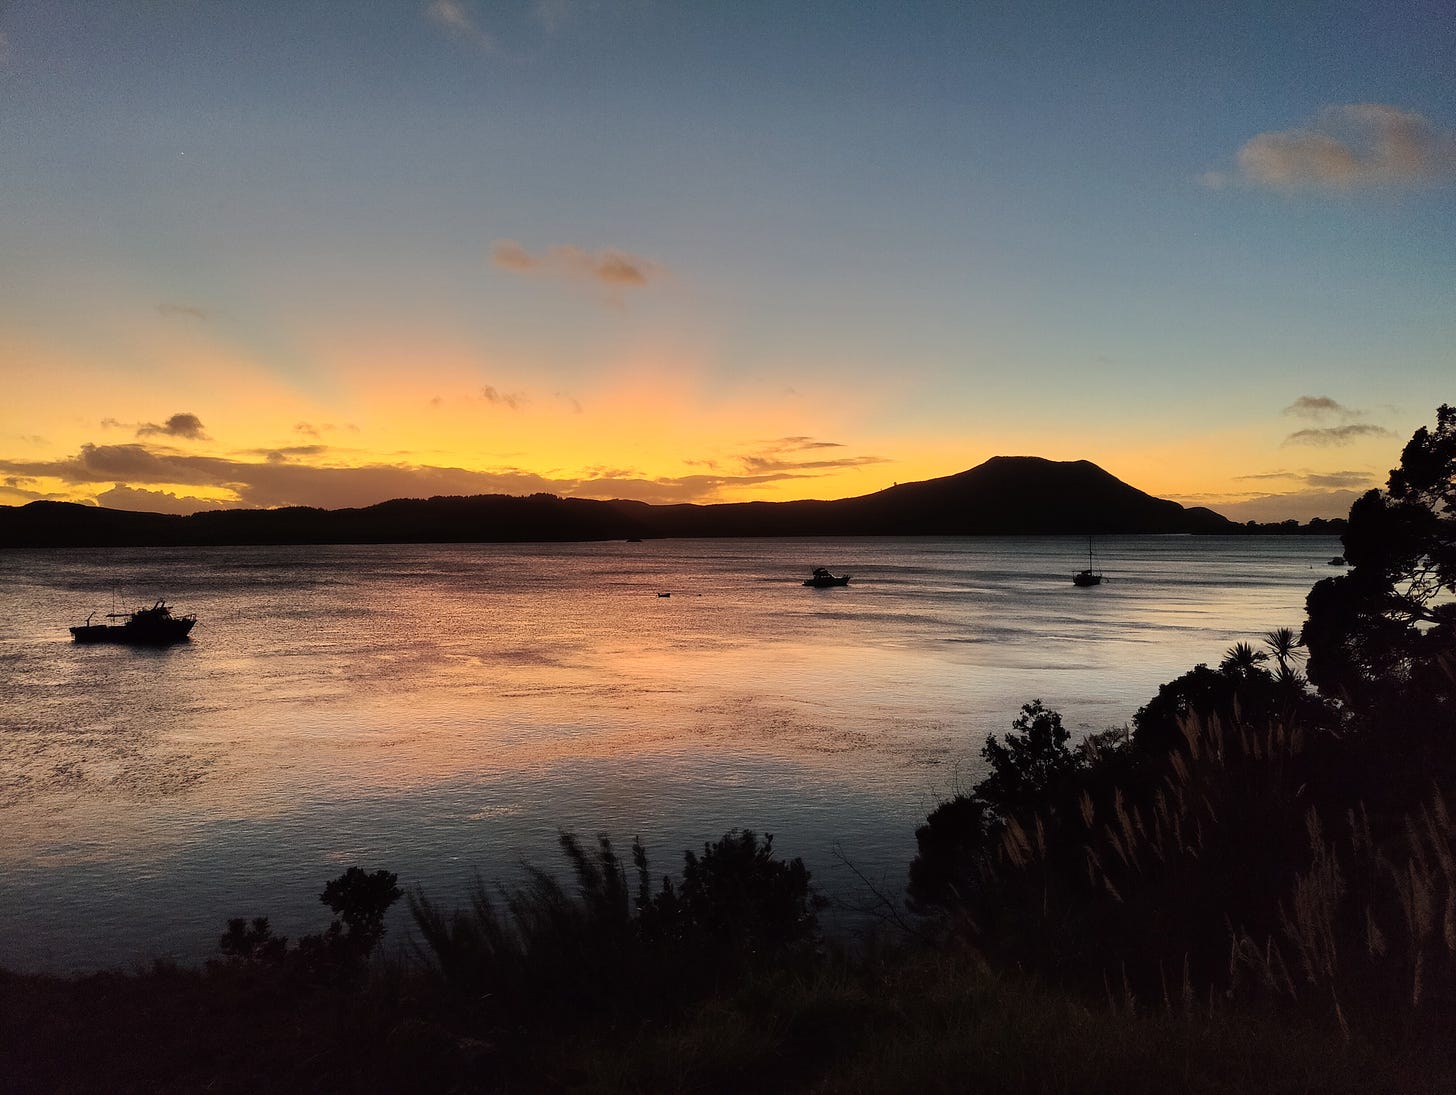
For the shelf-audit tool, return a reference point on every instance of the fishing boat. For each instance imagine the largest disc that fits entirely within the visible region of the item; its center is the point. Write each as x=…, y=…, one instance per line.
x=1088, y=577
x=822, y=579
x=155, y=626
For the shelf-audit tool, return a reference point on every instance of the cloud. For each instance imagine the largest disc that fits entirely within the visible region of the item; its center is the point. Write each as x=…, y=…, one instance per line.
x=1333, y=436
x=274, y=479
x=1350, y=147
x=1347, y=427
x=782, y=456
x=610, y=269
x=308, y=429
x=1270, y=475
x=802, y=443
x=1343, y=480
x=1299, y=505
x=179, y=425
x=288, y=452
x=1332, y=480
x=513, y=400
x=458, y=19
x=154, y=501
x=1317, y=406
x=184, y=311
x=511, y=256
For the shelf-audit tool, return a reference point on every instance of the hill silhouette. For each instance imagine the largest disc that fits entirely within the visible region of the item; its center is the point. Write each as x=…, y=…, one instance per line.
x=1007, y=495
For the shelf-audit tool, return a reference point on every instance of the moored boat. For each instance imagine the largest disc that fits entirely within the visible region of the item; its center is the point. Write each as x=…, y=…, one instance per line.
x=155, y=626
x=1088, y=577
x=823, y=579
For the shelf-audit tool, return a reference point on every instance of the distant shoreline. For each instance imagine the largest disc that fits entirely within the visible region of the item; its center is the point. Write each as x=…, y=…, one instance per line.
x=1006, y=496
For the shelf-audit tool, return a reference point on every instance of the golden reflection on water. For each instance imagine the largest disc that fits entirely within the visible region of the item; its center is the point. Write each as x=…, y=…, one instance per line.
x=442, y=707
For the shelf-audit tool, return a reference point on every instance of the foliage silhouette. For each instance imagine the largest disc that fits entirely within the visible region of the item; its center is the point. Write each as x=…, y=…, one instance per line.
x=360, y=901
x=252, y=941
x=1255, y=838
x=541, y=950
x=1377, y=634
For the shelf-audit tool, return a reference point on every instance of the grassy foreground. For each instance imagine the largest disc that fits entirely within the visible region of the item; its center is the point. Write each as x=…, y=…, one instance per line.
x=906, y=1021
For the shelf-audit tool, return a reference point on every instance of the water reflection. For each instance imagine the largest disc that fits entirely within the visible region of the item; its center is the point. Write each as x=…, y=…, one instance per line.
x=434, y=709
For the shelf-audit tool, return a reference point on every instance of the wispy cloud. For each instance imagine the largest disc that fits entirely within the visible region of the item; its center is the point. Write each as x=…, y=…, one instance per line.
x=793, y=454
x=155, y=501
x=285, y=453
x=1317, y=406
x=188, y=426
x=1342, y=480
x=513, y=400
x=1331, y=480
x=611, y=270
x=1334, y=436
x=1355, y=146
x=273, y=477
x=1337, y=424
x=803, y=443
x=1301, y=505
x=183, y=311
x=1268, y=475
x=459, y=19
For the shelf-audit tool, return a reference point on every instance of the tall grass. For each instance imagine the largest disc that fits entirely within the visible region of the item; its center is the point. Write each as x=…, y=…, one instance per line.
x=1220, y=879
x=548, y=952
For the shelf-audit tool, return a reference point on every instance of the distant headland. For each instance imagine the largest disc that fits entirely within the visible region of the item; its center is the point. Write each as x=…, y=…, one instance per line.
x=1007, y=495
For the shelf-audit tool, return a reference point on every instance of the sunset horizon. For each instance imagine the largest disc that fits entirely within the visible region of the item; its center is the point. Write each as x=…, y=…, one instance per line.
x=302, y=256
x=185, y=507
x=651, y=545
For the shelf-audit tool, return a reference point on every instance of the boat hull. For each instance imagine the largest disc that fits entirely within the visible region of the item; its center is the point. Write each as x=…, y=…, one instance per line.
x=1086, y=578
x=826, y=583
x=156, y=634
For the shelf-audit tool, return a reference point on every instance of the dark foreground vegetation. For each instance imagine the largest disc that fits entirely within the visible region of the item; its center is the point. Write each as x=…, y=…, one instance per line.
x=1251, y=888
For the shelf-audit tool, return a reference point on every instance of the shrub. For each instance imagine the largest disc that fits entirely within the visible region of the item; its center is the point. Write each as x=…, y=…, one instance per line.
x=541, y=950
x=359, y=899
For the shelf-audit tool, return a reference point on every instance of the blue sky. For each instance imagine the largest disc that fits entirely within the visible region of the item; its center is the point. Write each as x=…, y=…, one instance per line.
x=703, y=251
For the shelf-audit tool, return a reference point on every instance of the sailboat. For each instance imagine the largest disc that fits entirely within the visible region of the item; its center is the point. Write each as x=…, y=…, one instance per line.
x=1088, y=577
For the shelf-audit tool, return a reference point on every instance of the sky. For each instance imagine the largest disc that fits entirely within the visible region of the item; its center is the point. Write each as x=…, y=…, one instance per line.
x=303, y=253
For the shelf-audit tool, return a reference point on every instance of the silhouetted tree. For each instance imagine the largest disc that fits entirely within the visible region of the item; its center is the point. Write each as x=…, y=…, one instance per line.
x=1242, y=660
x=252, y=941
x=1284, y=645
x=1034, y=771
x=359, y=899
x=950, y=849
x=1034, y=763
x=1378, y=635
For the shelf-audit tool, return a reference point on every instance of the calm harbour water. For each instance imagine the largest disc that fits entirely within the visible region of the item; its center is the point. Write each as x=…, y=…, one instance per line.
x=443, y=710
